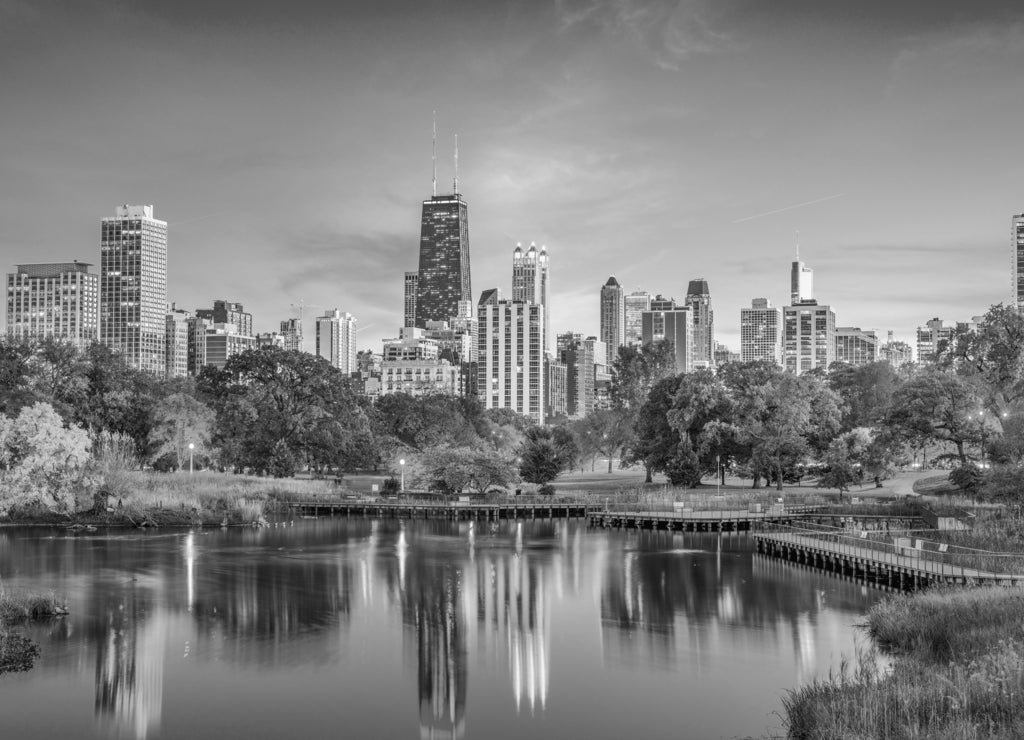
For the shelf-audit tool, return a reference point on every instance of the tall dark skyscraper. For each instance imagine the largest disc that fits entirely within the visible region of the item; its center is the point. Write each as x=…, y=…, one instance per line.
x=444, y=259
x=698, y=298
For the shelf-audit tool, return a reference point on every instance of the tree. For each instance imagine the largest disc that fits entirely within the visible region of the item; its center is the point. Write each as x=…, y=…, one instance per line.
x=545, y=453
x=936, y=406
x=866, y=392
x=42, y=462
x=655, y=441
x=181, y=420
x=968, y=478
x=844, y=459
x=636, y=369
x=605, y=432
x=454, y=469
x=700, y=414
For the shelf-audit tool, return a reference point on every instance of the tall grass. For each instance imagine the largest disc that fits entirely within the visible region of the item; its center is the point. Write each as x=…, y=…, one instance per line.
x=16, y=607
x=958, y=673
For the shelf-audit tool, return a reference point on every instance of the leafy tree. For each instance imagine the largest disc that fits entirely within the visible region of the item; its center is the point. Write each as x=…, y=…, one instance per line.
x=655, y=442
x=936, y=406
x=16, y=375
x=968, y=478
x=455, y=469
x=421, y=422
x=605, y=432
x=42, y=462
x=545, y=453
x=866, y=392
x=181, y=420
x=636, y=369
x=844, y=460
x=701, y=416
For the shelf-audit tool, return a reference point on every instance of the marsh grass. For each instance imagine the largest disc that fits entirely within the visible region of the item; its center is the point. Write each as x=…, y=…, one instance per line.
x=958, y=673
x=17, y=607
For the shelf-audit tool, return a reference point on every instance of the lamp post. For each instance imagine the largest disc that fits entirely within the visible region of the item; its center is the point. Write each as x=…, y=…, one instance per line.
x=401, y=488
x=718, y=475
x=191, y=449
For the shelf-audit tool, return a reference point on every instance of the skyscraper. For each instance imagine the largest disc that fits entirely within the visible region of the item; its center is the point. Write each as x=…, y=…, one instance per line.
x=133, y=287
x=801, y=282
x=444, y=259
x=510, y=371
x=55, y=300
x=698, y=299
x=291, y=330
x=228, y=312
x=761, y=332
x=1017, y=260
x=176, y=360
x=635, y=304
x=412, y=281
x=856, y=346
x=613, y=317
x=674, y=325
x=336, y=340
x=530, y=281
x=810, y=338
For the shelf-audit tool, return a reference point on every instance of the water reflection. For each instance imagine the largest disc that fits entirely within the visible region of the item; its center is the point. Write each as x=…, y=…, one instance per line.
x=154, y=613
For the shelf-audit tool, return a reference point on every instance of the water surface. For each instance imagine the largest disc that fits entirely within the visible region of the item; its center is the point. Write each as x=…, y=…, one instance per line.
x=430, y=629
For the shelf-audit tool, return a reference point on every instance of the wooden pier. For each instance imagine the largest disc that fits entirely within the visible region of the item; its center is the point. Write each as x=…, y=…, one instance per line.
x=718, y=520
x=441, y=510
x=881, y=563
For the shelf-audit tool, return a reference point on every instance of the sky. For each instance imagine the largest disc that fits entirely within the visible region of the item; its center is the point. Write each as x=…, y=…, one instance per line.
x=288, y=146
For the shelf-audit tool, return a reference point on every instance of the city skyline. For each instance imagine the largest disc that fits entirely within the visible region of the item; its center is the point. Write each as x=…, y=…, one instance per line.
x=290, y=154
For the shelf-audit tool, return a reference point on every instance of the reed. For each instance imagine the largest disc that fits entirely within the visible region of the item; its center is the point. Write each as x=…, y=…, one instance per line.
x=16, y=607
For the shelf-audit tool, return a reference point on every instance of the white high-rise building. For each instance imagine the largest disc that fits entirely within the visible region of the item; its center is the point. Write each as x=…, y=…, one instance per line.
x=133, y=287
x=810, y=338
x=510, y=355
x=801, y=281
x=856, y=346
x=1017, y=261
x=336, y=339
x=56, y=300
x=176, y=360
x=761, y=332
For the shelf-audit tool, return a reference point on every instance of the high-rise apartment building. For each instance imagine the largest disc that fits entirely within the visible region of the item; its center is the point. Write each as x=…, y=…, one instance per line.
x=412, y=282
x=577, y=355
x=724, y=355
x=801, y=281
x=895, y=353
x=613, y=316
x=291, y=331
x=227, y=312
x=674, y=325
x=556, y=387
x=761, y=332
x=58, y=300
x=933, y=337
x=698, y=299
x=510, y=366
x=443, y=275
x=1017, y=260
x=336, y=339
x=223, y=341
x=634, y=306
x=661, y=303
x=810, y=338
x=530, y=281
x=133, y=287
x=176, y=360
x=855, y=346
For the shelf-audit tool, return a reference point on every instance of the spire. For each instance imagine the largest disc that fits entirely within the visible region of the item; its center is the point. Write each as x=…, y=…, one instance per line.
x=798, y=245
x=455, y=183
x=433, y=158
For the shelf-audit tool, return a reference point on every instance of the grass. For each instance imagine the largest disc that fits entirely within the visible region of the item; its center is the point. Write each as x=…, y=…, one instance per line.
x=17, y=607
x=957, y=673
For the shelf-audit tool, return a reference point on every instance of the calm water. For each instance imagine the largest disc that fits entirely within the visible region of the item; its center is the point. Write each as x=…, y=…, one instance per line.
x=366, y=629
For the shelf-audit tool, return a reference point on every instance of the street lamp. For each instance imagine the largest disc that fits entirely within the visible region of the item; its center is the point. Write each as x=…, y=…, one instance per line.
x=401, y=488
x=191, y=449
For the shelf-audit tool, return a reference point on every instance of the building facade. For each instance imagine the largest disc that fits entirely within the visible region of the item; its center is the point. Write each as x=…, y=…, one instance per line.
x=291, y=331
x=133, y=287
x=855, y=346
x=613, y=316
x=222, y=341
x=510, y=365
x=412, y=281
x=228, y=312
x=634, y=306
x=810, y=338
x=761, y=332
x=801, y=283
x=674, y=325
x=698, y=300
x=420, y=377
x=56, y=300
x=177, y=342
x=530, y=280
x=1017, y=260
x=444, y=274
x=577, y=355
x=336, y=339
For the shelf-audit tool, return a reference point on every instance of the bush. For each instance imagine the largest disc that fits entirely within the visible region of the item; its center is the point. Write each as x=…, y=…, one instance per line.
x=546, y=490
x=391, y=486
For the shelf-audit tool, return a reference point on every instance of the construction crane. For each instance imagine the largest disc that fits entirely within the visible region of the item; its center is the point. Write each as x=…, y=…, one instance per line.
x=300, y=308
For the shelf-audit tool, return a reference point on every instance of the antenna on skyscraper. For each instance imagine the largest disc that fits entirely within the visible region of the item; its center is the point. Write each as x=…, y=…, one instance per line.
x=798, y=245
x=433, y=157
x=455, y=183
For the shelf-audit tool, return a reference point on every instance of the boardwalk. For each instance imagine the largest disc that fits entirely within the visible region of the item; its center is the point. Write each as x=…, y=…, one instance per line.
x=716, y=520
x=882, y=563
x=441, y=510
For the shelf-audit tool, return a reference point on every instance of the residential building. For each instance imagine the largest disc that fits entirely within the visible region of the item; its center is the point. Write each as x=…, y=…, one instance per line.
x=197, y=328
x=634, y=306
x=291, y=332
x=577, y=355
x=674, y=325
x=222, y=341
x=444, y=274
x=761, y=332
x=855, y=346
x=420, y=377
x=336, y=339
x=411, y=345
x=268, y=339
x=661, y=303
x=56, y=300
x=933, y=337
x=1017, y=260
x=602, y=373
x=412, y=281
x=810, y=337
x=176, y=360
x=227, y=312
x=133, y=287
x=698, y=300
x=613, y=316
x=895, y=353
x=556, y=384
x=510, y=364
x=725, y=355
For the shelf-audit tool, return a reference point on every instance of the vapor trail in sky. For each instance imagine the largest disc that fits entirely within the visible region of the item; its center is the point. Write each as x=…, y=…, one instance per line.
x=788, y=208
